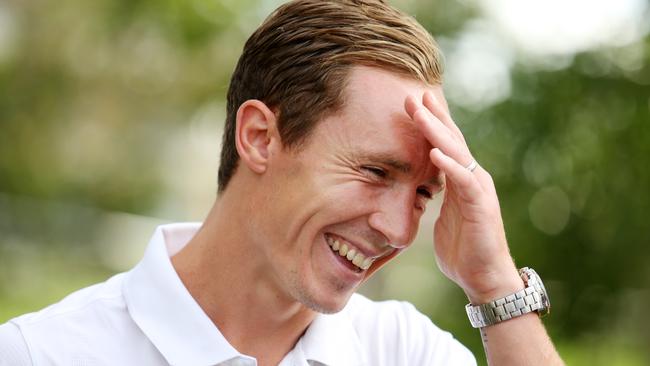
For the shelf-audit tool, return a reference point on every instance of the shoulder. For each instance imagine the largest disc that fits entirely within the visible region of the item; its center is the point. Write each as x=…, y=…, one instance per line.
x=13, y=349
x=361, y=308
x=403, y=334
x=101, y=297
x=81, y=320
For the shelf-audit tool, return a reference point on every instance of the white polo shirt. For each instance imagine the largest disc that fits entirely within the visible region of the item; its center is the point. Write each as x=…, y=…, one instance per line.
x=146, y=317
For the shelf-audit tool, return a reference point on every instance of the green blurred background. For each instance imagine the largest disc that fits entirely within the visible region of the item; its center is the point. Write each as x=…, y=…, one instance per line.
x=111, y=114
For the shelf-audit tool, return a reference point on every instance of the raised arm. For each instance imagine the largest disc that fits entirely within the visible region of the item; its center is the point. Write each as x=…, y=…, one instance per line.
x=470, y=241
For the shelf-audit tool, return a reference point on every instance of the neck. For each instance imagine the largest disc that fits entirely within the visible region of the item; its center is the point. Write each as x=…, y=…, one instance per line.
x=220, y=270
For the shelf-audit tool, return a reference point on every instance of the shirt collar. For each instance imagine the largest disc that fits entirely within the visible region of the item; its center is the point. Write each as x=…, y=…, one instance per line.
x=165, y=311
x=174, y=322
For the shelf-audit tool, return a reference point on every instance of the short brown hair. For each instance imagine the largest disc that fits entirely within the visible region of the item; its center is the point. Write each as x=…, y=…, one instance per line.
x=298, y=60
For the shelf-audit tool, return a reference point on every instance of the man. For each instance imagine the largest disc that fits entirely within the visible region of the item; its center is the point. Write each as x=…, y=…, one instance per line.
x=337, y=134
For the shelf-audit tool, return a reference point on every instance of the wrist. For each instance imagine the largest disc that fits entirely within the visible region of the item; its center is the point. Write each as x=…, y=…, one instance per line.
x=495, y=286
x=533, y=298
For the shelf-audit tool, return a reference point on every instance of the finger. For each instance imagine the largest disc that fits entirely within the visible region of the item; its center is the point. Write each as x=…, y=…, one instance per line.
x=437, y=133
x=441, y=112
x=414, y=108
x=465, y=182
x=411, y=105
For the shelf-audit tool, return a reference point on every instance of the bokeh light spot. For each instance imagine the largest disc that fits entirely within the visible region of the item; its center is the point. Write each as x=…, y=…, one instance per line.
x=549, y=210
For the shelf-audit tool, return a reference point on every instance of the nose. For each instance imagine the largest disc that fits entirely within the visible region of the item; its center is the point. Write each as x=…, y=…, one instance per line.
x=395, y=218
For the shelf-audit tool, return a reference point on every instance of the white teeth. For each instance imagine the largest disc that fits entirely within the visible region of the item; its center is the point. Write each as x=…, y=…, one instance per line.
x=350, y=253
x=343, y=250
x=358, y=260
x=336, y=245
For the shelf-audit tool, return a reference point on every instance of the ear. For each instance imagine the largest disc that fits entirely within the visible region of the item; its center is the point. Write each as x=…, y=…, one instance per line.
x=255, y=129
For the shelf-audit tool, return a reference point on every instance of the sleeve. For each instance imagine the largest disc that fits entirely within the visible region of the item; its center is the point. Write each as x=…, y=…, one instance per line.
x=13, y=349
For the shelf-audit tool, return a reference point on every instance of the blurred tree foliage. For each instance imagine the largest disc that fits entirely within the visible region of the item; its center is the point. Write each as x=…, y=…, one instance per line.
x=91, y=93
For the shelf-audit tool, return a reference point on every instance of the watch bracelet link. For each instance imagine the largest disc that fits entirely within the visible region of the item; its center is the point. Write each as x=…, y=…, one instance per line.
x=519, y=303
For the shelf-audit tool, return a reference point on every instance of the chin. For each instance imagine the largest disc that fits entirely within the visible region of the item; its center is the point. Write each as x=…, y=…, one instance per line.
x=325, y=302
x=327, y=308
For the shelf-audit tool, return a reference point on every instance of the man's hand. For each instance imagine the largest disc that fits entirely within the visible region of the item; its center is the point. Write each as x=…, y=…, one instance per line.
x=470, y=242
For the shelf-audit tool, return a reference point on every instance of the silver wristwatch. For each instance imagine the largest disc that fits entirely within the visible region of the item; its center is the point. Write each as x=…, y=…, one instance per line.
x=532, y=298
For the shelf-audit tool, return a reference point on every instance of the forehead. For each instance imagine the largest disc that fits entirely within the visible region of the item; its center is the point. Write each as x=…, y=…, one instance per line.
x=374, y=100
x=373, y=120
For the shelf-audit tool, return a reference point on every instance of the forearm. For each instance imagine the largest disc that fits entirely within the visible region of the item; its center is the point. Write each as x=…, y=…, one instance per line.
x=522, y=341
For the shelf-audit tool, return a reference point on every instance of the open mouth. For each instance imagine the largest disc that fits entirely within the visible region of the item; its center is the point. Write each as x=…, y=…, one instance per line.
x=351, y=256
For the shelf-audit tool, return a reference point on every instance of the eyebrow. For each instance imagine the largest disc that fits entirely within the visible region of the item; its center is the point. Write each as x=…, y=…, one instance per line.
x=399, y=165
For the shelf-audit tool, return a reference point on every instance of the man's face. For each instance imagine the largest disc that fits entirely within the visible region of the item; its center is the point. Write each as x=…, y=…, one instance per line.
x=360, y=183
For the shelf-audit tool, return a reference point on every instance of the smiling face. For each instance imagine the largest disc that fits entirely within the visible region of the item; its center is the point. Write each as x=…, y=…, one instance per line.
x=351, y=198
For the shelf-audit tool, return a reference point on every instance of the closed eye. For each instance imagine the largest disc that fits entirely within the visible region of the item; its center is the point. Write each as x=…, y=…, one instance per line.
x=375, y=171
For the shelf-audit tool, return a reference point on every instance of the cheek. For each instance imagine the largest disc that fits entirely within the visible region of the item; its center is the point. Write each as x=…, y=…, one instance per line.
x=351, y=199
